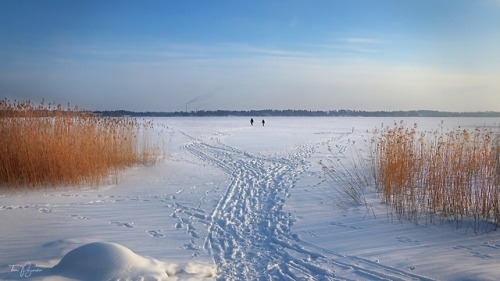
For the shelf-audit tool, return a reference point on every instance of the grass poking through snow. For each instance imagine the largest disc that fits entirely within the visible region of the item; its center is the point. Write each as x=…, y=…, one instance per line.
x=347, y=174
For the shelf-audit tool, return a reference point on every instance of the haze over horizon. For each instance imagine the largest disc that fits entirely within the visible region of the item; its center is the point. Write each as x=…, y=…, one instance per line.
x=242, y=55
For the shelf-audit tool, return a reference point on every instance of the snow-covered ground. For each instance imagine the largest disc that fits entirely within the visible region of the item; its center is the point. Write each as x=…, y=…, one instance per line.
x=238, y=202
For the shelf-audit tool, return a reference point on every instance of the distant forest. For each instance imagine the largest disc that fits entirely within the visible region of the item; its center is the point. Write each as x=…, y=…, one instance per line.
x=303, y=113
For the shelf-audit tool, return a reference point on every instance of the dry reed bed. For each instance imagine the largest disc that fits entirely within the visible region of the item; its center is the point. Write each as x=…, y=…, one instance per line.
x=439, y=175
x=45, y=146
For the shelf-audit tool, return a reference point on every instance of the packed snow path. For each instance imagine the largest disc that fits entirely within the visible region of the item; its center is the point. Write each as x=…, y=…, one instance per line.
x=249, y=234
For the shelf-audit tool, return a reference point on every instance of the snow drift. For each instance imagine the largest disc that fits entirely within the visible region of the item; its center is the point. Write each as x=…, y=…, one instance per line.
x=108, y=261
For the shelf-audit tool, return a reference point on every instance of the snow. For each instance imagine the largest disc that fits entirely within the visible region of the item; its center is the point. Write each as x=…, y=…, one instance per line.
x=238, y=202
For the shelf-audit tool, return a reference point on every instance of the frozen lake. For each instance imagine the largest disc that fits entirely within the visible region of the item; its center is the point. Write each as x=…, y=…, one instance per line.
x=239, y=202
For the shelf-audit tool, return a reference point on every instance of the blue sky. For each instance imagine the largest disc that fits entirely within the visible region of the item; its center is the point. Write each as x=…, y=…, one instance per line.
x=317, y=55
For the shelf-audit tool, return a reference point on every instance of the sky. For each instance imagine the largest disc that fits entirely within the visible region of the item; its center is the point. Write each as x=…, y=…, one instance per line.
x=241, y=54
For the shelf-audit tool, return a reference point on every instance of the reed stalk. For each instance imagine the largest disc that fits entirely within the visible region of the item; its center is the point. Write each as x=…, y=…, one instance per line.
x=46, y=145
x=452, y=175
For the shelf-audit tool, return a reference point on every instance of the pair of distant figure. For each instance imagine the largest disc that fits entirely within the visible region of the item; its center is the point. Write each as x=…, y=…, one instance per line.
x=263, y=122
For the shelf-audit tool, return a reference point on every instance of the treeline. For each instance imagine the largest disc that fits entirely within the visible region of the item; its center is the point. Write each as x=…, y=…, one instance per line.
x=294, y=112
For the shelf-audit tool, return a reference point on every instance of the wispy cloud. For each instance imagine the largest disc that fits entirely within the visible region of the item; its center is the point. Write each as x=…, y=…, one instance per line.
x=161, y=52
x=347, y=48
x=262, y=51
x=362, y=40
x=350, y=46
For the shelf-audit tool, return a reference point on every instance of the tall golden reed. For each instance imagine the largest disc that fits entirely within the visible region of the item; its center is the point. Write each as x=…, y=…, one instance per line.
x=49, y=146
x=439, y=175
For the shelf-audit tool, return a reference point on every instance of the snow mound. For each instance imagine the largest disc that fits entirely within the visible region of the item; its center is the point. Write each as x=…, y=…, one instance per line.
x=108, y=261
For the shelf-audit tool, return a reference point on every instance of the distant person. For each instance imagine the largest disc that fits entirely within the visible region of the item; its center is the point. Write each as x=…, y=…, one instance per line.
x=263, y=122
x=251, y=121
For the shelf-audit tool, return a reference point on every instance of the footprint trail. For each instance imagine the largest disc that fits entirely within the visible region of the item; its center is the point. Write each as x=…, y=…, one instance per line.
x=249, y=234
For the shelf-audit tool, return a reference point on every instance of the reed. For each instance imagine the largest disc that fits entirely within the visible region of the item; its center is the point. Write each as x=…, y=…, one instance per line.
x=436, y=175
x=347, y=174
x=46, y=145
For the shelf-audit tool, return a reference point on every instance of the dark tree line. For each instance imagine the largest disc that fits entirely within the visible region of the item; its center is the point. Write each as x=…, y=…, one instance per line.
x=302, y=113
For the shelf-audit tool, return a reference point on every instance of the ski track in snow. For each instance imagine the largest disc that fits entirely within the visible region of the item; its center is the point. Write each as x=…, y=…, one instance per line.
x=249, y=234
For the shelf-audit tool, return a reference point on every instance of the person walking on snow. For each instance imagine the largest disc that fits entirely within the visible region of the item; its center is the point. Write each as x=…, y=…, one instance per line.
x=251, y=121
x=263, y=122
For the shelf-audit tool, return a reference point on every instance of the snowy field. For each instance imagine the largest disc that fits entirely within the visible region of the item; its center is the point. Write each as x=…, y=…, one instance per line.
x=238, y=202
